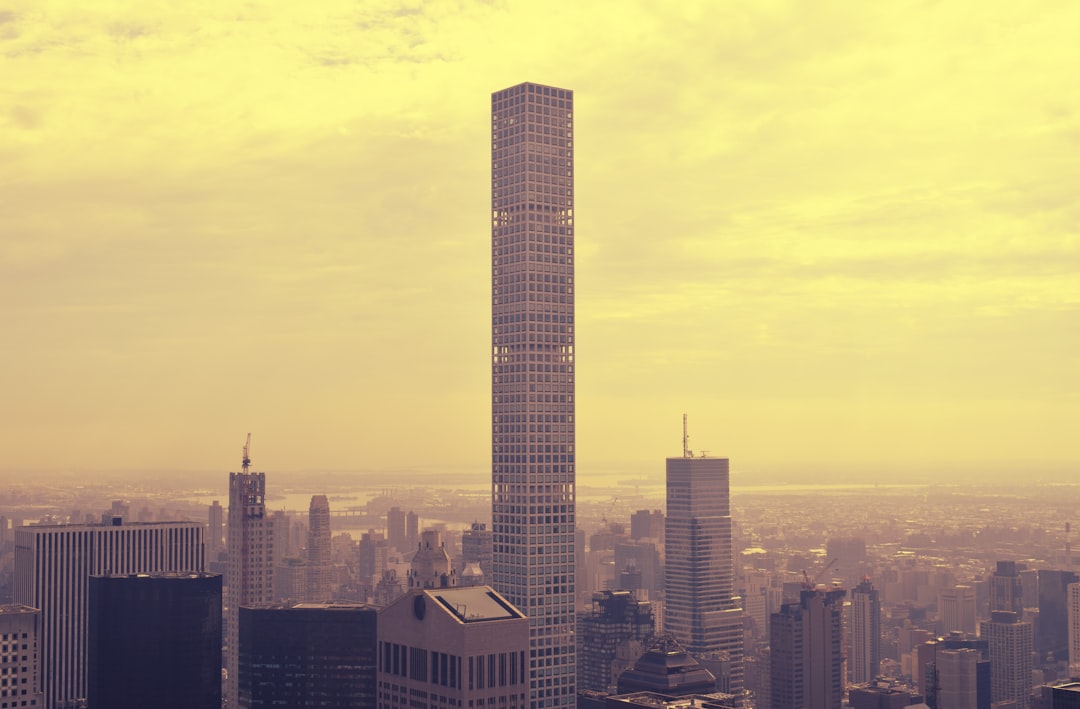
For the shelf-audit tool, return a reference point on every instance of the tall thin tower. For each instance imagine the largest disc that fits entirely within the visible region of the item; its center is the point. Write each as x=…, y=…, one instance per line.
x=532, y=375
x=250, y=564
x=700, y=606
x=865, y=660
x=319, y=568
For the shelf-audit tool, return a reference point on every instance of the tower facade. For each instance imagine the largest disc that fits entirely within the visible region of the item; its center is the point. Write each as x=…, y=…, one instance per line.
x=251, y=563
x=53, y=566
x=865, y=632
x=532, y=390
x=1010, y=645
x=806, y=657
x=700, y=606
x=318, y=587
x=155, y=641
x=957, y=610
x=20, y=631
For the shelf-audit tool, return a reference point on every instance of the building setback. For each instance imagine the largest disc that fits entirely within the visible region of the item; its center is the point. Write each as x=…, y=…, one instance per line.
x=458, y=647
x=532, y=354
x=307, y=655
x=53, y=566
x=19, y=656
x=154, y=641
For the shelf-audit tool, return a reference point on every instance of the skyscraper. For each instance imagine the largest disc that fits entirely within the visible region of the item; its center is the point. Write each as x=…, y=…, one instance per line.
x=319, y=570
x=1073, y=619
x=1010, y=644
x=532, y=375
x=700, y=606
x=307, y=655
x=20, y=631
x=865, y=632
x=214, y=530
x=956, y=607
x=616, y=618
x=251, y=563
x=154, y=641
x=806, y=659
x=53, y=565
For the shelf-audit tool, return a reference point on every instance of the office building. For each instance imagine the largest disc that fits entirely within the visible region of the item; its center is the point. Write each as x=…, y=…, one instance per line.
x=805, y=654
x=666, y=668
x=457, y=647
x=20, y=648
x=1073, y=619
x=250, y=578
x=1007, y=588
x=700, y=606
x=215, y=532
x=865, y=629
x=476, y=547
x=1010, y=645
x=307, y=655
x=395, y=529
x=647, y=525
x=412, y=530
x=319, y=569
x=532, y=394
x=53, y=566
x=1052, y=635
x=1066, y=696
x=956, y=610
x=616, y=618
x=154, y=641
x=958, y=678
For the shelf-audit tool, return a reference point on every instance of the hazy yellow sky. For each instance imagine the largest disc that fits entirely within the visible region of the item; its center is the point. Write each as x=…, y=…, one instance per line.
x=843, y=236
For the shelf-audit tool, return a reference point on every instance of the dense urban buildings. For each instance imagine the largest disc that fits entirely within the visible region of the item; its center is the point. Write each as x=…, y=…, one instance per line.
x=533, y=442
x=20, y=647
x=700, y=606
x=307, y=655
x=865, y=629
x=154, y=641
x=616, y=619
x=318, y=583
x=53, y=566
x=452, y=647
x=250, y=578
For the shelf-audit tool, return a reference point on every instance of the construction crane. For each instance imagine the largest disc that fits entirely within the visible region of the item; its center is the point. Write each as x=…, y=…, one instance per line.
x=247, y=448
x=810, y=584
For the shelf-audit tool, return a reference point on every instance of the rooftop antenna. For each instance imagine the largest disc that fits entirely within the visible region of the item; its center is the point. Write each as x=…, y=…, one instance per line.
x=686, y=452
x=247, y=447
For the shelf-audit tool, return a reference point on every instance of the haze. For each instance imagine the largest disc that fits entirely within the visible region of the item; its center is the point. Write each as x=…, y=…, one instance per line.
x=843, y=236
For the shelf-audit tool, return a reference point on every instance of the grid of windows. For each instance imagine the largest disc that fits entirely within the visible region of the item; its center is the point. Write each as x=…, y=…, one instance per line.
x=533, y=473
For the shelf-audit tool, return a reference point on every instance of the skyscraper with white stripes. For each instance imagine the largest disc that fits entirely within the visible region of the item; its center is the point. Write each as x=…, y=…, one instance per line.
x=532, y=402
x=53, y=566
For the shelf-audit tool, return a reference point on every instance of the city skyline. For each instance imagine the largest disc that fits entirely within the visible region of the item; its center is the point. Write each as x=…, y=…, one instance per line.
x=852, y=230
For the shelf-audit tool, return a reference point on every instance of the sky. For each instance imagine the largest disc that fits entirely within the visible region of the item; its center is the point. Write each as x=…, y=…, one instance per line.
x=843, y=237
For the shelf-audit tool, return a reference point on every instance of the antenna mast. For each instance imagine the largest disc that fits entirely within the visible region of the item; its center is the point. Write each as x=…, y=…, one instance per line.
x=247, y=447
x=686, y=452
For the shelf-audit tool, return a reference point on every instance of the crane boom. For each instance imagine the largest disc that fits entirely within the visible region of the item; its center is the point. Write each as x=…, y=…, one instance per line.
x=247, y=448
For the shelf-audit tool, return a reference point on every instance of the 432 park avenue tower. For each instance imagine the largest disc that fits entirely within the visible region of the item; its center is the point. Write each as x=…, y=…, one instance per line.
x=532, y=375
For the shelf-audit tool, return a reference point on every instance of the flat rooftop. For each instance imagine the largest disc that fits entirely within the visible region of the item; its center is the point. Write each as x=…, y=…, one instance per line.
x=475, y=604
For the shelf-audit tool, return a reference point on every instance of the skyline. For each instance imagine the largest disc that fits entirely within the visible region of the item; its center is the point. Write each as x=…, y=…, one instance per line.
x=840, y=239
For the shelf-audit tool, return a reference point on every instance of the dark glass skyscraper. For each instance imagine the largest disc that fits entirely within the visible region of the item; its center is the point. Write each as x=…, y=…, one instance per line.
x=532, y=390
x=154, y=641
